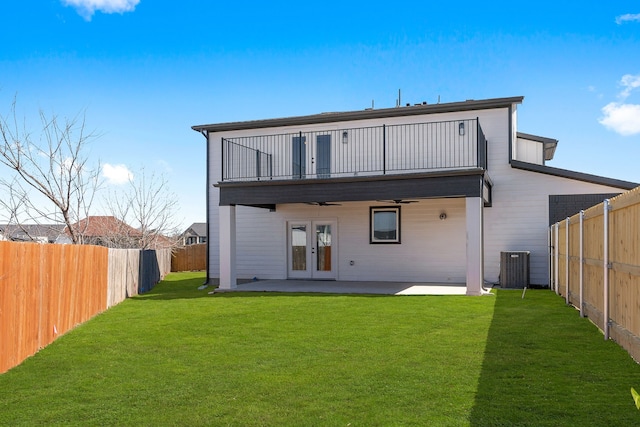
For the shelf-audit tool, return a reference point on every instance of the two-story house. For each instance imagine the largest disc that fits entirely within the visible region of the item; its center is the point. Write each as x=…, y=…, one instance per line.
x=422, y=193
x=195, y=234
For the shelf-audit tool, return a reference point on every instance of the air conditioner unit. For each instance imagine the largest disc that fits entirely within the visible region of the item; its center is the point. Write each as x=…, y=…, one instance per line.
x=514, y=269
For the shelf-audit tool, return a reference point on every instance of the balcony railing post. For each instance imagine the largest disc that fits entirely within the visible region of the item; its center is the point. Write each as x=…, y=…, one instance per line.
x=224, y=161
x=481, y=145
x=384, y=149
x=478, y=149
x=300, y=153
x=258, y=164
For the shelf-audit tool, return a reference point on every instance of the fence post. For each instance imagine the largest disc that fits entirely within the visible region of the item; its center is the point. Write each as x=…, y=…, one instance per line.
x=557, y=255
x=566, y=263
x=581, y=263
x=606, y=269
x=551, y=249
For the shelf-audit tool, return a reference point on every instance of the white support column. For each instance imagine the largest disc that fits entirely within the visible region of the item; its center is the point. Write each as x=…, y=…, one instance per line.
x=227, y=247
x=475, y=245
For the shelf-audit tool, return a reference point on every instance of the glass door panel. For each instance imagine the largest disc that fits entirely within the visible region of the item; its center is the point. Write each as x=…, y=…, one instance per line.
x=323, y=247
x=323, y=156
x=299, y=247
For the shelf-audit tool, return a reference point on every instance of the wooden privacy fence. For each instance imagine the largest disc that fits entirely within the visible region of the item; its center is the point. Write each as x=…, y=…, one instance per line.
x=190, y=258
x=46, y=290
x=595, y=265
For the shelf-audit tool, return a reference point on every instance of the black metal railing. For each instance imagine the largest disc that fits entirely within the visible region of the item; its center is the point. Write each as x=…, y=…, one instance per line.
x=365, y=151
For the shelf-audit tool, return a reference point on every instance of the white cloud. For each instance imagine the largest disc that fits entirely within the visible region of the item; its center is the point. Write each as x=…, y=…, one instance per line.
x=86, y=8
x=116, y=174
x=621, y=118
x=627, y=17
x=629, y=82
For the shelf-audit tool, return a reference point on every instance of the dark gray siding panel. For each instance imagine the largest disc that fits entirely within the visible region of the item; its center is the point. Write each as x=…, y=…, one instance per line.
x=265, y=193
x=563, y=206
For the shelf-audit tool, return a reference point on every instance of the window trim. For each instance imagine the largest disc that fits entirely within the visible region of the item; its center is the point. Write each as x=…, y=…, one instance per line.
x=372, y=211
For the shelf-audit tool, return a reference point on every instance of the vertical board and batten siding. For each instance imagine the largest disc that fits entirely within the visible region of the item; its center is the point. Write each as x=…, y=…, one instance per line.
x=517, y=220
x=47, y=290
x=525, y=219
x=189, y=258
x=261, y=243
x=431, y=250
x=623, y=271
x=529, y=151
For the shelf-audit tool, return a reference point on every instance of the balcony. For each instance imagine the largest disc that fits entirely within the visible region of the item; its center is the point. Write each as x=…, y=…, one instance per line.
x=382, y=151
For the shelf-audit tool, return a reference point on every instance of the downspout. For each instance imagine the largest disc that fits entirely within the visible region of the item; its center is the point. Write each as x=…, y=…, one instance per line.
x=205, y=133
x=510, y=112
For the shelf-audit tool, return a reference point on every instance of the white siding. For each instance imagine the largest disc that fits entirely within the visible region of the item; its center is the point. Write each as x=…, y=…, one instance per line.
x=431, y=250
x=529, y=151
x=519, y=218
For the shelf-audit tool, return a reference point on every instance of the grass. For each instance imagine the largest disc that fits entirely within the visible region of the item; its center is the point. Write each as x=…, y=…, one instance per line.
x=178, y=356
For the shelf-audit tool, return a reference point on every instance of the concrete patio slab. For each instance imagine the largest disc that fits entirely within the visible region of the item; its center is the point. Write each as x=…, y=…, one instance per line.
x=348, y=287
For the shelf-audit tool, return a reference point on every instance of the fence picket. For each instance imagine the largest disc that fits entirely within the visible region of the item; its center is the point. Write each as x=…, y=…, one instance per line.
x=614, y=262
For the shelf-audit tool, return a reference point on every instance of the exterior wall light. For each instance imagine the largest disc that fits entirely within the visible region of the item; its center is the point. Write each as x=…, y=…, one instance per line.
x=461, y=129
x=345, y=137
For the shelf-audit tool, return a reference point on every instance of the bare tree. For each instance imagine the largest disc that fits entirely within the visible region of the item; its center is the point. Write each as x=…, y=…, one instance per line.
x=147, y=204
x=54, y=166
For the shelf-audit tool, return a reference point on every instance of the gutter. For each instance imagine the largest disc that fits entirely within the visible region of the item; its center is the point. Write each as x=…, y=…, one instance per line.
x=205, y=133
x=323, y=118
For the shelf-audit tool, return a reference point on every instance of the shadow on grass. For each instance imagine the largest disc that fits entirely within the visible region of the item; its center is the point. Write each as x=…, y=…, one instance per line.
x=545, y=366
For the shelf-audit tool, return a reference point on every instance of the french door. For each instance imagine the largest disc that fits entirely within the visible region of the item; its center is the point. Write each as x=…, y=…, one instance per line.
x=311, y=249
x=320, y=165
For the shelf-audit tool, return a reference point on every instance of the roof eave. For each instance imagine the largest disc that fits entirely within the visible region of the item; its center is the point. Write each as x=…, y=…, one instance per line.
x=469, y=105
x=569, y=174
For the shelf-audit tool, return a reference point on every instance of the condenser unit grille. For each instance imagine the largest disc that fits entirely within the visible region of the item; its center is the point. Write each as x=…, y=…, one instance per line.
x=514, y=269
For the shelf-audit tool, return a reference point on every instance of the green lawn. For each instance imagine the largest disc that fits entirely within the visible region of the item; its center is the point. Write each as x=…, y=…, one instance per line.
x=178, y=356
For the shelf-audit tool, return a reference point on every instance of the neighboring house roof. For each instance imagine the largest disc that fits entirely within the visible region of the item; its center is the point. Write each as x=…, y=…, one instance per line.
x=371, y=113
x=112, y=232
x=100, y=226
x=196, y=229
x=50, y=233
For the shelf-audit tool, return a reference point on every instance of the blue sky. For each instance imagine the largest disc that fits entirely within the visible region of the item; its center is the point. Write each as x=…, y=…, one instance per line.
x=144, y=71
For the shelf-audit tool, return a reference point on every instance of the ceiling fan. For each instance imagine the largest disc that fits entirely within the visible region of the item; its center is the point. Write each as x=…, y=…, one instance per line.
x=323, y=204
x=399, y=201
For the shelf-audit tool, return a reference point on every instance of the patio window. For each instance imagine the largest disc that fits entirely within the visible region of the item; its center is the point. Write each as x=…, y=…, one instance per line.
x=384, y=224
